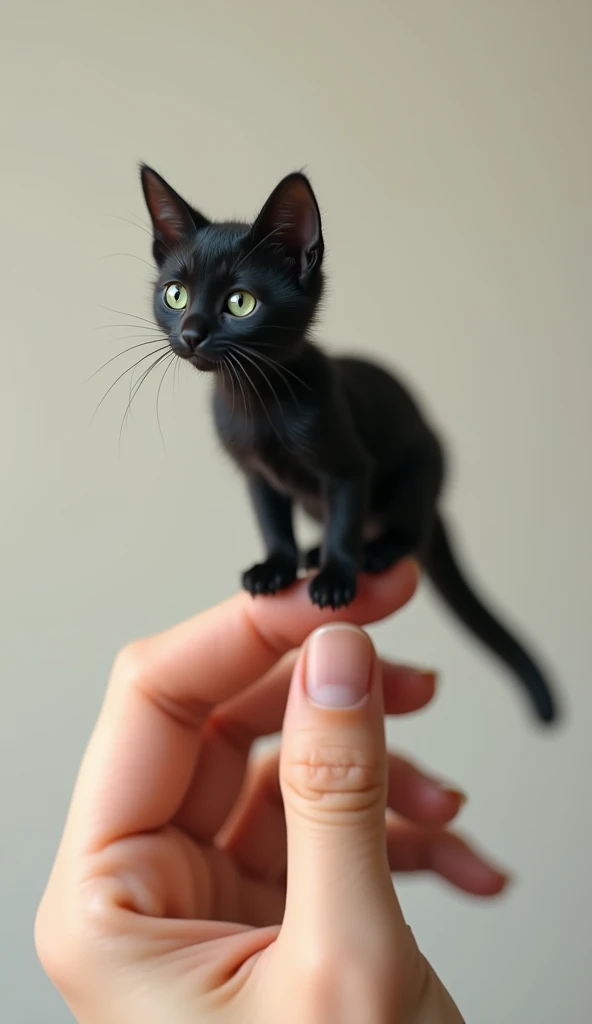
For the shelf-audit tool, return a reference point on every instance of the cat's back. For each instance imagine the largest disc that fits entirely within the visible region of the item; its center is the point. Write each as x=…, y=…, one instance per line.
x=383, y=408
x=372, y=386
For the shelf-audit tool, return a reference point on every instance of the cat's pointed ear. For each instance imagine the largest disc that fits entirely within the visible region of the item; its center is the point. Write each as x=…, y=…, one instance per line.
x=291, y=220
x=173, y=220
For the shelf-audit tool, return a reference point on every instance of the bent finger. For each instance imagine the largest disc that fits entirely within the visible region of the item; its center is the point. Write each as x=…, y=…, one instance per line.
x=412, y=849
x=255, y=833
x=143, y=751
x=258, y=711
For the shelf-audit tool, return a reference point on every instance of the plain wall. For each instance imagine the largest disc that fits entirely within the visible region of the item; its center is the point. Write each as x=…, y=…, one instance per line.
x=450, y=148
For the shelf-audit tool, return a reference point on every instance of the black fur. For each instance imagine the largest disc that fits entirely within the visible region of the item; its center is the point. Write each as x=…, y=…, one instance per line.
x=340, y=436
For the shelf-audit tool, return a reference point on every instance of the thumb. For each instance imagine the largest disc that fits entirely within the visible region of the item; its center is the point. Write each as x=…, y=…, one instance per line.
x=333, y=774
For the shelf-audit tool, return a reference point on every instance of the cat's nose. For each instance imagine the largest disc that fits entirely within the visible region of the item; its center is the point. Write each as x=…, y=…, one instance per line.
x=193, y=335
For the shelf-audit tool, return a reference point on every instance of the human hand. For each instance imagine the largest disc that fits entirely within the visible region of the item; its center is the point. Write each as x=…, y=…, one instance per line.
x=192, y=886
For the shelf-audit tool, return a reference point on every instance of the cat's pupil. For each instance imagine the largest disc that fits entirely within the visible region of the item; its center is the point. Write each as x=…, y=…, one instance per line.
x=240, y=299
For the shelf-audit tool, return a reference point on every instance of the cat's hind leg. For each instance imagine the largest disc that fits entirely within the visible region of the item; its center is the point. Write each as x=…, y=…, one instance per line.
x=403, y=506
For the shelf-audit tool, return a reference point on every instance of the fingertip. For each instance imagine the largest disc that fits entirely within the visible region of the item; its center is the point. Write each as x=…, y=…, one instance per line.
x=419, y=798
x=489, y=883
x=401, y=580
x=377, y=597
x=442, y=805
x=461, y=864
x=407, y=689
x=457, y=797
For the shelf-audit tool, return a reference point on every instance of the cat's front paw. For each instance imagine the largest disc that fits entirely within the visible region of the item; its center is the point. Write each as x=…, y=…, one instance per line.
x=277, y=573
x=334, y=586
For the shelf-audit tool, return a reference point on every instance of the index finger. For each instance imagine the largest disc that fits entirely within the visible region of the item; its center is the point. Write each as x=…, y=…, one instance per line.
x=143, y=751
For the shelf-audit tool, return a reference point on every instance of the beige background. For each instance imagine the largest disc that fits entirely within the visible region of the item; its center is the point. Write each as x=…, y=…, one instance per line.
x=449, y=144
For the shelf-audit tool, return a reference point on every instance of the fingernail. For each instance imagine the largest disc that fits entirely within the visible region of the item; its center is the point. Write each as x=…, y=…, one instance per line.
x=412, y=673
x=338, y=666
x=505, y=879
x=457, y=794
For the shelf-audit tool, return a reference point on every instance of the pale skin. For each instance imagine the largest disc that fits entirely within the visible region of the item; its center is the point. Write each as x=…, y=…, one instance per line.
x=195, y=884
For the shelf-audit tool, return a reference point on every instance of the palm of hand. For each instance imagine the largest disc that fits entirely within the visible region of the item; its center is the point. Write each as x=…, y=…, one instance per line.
x=218, y=869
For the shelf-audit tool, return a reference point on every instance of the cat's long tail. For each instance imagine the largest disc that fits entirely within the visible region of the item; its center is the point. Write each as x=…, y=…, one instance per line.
x=447, y=578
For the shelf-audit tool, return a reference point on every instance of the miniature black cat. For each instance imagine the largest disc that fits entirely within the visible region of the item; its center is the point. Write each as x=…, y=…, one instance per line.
x=340, y=436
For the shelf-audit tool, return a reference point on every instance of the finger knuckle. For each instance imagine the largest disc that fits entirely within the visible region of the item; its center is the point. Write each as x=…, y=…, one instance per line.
x=46, y=947
x=58, y=949
x=333, y=776
x=138, y=668
x=131, y=663
x=72, y=936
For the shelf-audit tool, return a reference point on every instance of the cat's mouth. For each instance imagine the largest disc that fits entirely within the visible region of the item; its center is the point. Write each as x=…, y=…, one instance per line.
x=202, y=358
x=201, y=361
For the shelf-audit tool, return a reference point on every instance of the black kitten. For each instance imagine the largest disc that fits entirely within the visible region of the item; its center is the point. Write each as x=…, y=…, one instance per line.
x=338, y=435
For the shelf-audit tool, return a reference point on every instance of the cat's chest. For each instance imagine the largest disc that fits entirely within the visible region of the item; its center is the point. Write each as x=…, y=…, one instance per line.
x=283, y=470
x=273, y=448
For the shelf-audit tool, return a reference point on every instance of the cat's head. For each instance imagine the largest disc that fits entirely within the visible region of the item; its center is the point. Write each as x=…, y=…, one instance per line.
x=227, y=287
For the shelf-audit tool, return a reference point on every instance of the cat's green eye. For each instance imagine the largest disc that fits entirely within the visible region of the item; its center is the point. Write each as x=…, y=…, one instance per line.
x=176, y=296
x=241, y=303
